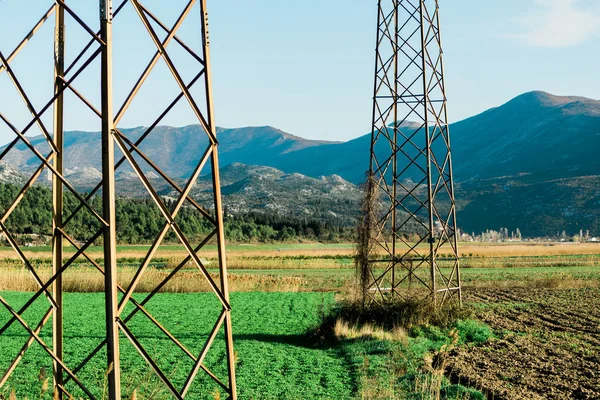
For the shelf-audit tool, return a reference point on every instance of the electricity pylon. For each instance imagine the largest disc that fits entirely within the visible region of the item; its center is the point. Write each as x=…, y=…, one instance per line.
x=411, y=245
x=120, y=305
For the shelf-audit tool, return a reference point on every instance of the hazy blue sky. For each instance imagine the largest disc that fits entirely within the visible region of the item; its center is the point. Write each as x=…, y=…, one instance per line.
x=306, y=66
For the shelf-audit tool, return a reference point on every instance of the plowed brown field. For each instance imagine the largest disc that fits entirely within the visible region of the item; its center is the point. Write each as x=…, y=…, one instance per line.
x=547, y=345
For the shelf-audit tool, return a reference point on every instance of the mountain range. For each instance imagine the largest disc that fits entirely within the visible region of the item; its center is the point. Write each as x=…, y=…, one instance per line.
x=531, y=163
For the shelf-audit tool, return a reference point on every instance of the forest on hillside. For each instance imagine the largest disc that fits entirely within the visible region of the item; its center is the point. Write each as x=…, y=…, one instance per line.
x=139, y=221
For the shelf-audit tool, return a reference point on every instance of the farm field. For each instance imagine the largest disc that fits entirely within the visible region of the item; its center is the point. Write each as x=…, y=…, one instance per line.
x=283, y=317
x=477, y=249
x=277, y=358
x=547, y=345
x=539, y=301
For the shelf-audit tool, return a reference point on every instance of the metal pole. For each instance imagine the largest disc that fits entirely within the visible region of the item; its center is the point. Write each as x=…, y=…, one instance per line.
x=454, y=239
x=108, y=203
x=218, y=205
x=57, y=196
x=394, y=148
x=370, y=187
x=431, y=238
x=375, y=91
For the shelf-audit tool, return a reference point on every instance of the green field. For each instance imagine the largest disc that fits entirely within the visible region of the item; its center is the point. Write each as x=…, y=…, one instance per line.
x=280, y=294
x=338, y=279
x=212, y=247
x=276, y=358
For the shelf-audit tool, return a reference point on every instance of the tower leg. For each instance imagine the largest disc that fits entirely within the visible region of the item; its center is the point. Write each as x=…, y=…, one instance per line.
x=108, y=202
x=57, y=195
x=218, y=203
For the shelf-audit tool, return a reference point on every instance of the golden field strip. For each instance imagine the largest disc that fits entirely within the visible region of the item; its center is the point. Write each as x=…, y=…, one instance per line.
x=312, y=267
x=524, y=249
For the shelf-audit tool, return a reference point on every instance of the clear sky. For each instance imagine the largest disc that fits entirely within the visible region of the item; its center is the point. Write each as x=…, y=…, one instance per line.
x=306, y=67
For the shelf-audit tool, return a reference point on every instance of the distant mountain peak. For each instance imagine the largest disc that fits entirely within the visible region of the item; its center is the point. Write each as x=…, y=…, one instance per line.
x=550, y=100
x=528, y=157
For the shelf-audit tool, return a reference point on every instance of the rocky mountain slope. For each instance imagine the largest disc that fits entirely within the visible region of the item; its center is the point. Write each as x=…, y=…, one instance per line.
x=250, y=188
x=531, y=163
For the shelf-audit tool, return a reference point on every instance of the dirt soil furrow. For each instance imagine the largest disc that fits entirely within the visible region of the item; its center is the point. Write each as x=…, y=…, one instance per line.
x=547, y=345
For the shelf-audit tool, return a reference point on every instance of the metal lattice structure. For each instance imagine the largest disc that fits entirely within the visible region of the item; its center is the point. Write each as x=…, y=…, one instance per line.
x=411, y=209
x=120, y=306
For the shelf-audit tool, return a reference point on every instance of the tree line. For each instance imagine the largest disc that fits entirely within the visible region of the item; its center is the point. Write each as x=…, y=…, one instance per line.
x=140, y=221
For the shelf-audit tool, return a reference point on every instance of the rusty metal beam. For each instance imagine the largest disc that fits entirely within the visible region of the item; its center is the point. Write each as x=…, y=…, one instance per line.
x=57, y=198
x=218, y=204
x=108, y=204
x=48, y=165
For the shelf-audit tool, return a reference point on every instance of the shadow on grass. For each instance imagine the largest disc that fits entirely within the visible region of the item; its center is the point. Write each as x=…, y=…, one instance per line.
x=293, y=340
x=339, y=348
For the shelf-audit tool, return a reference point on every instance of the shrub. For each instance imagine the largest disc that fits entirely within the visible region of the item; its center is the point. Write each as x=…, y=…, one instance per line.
x=471, y=331
x=410, y=315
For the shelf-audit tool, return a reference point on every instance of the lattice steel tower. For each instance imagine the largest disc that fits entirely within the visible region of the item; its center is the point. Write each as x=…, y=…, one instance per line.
x=82, y=371
x=411, y=214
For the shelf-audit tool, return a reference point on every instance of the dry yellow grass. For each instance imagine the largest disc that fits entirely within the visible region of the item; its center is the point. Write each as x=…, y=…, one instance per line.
x=267, y=263
x=343, y=330
x=523, y=249
x=527, y=249
x=243, y=264
x=239, y=252
x=465, y=249
x=9, y=253
x=480, y=249
x=89, y=280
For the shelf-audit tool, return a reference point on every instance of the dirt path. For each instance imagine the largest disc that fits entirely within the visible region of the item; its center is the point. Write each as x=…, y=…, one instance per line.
x=547, y=346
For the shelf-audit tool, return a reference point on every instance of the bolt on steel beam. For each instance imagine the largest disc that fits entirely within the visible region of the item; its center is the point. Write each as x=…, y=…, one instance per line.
x=409, y=236
x=99, y=49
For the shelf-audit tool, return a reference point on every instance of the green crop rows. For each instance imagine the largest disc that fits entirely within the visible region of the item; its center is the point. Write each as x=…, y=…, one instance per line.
x=275, y=357
x=271, y=361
